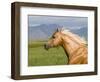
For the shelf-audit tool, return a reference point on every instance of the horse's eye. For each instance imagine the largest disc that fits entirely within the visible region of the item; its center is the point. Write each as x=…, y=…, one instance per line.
x=53, y=36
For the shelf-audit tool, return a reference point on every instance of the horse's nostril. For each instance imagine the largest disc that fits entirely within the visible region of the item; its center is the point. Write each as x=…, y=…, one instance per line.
x=46, y=46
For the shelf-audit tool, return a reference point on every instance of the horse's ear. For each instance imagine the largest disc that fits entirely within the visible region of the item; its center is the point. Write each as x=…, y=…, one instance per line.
x=58, y=29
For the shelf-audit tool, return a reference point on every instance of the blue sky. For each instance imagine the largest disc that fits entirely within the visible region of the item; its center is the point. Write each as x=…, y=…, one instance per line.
x=65, y=21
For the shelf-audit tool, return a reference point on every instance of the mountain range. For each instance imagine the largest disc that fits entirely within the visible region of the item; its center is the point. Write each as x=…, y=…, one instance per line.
x=44, y=31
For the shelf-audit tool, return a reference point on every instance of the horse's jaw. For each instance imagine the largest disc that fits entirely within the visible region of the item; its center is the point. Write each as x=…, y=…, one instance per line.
x=47, y=47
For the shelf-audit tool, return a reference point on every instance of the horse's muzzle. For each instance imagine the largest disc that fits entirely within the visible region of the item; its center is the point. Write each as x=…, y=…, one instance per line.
x=46, y=46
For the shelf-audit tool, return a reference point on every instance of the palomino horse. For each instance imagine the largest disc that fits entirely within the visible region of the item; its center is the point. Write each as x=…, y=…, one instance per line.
x=74, y=47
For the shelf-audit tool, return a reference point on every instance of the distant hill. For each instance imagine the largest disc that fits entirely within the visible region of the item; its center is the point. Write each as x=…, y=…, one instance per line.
x=41, y=32
x=44, y=31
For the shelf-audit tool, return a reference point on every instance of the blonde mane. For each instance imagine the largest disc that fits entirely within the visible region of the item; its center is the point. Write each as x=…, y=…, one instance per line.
x=75, y=37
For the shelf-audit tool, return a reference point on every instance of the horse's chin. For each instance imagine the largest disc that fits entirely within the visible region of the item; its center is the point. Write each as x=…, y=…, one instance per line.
x=47, y=47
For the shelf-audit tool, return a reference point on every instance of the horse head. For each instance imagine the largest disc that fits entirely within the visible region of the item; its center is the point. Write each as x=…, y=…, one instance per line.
x=55, y=40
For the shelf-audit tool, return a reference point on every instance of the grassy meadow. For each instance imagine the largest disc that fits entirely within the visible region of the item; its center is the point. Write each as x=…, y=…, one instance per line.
x=38, y=56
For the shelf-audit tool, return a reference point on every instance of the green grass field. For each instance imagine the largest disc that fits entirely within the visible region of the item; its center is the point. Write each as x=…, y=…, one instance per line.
x=38, y=56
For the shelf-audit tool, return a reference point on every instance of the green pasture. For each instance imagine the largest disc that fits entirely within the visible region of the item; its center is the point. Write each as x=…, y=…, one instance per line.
x=38, y=56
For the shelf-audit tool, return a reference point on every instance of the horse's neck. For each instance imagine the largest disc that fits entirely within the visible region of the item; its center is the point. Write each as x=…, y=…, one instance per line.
x=70, y=47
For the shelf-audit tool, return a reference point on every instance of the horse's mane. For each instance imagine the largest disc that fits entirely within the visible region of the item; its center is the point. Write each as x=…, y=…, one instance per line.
x=74, y=36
